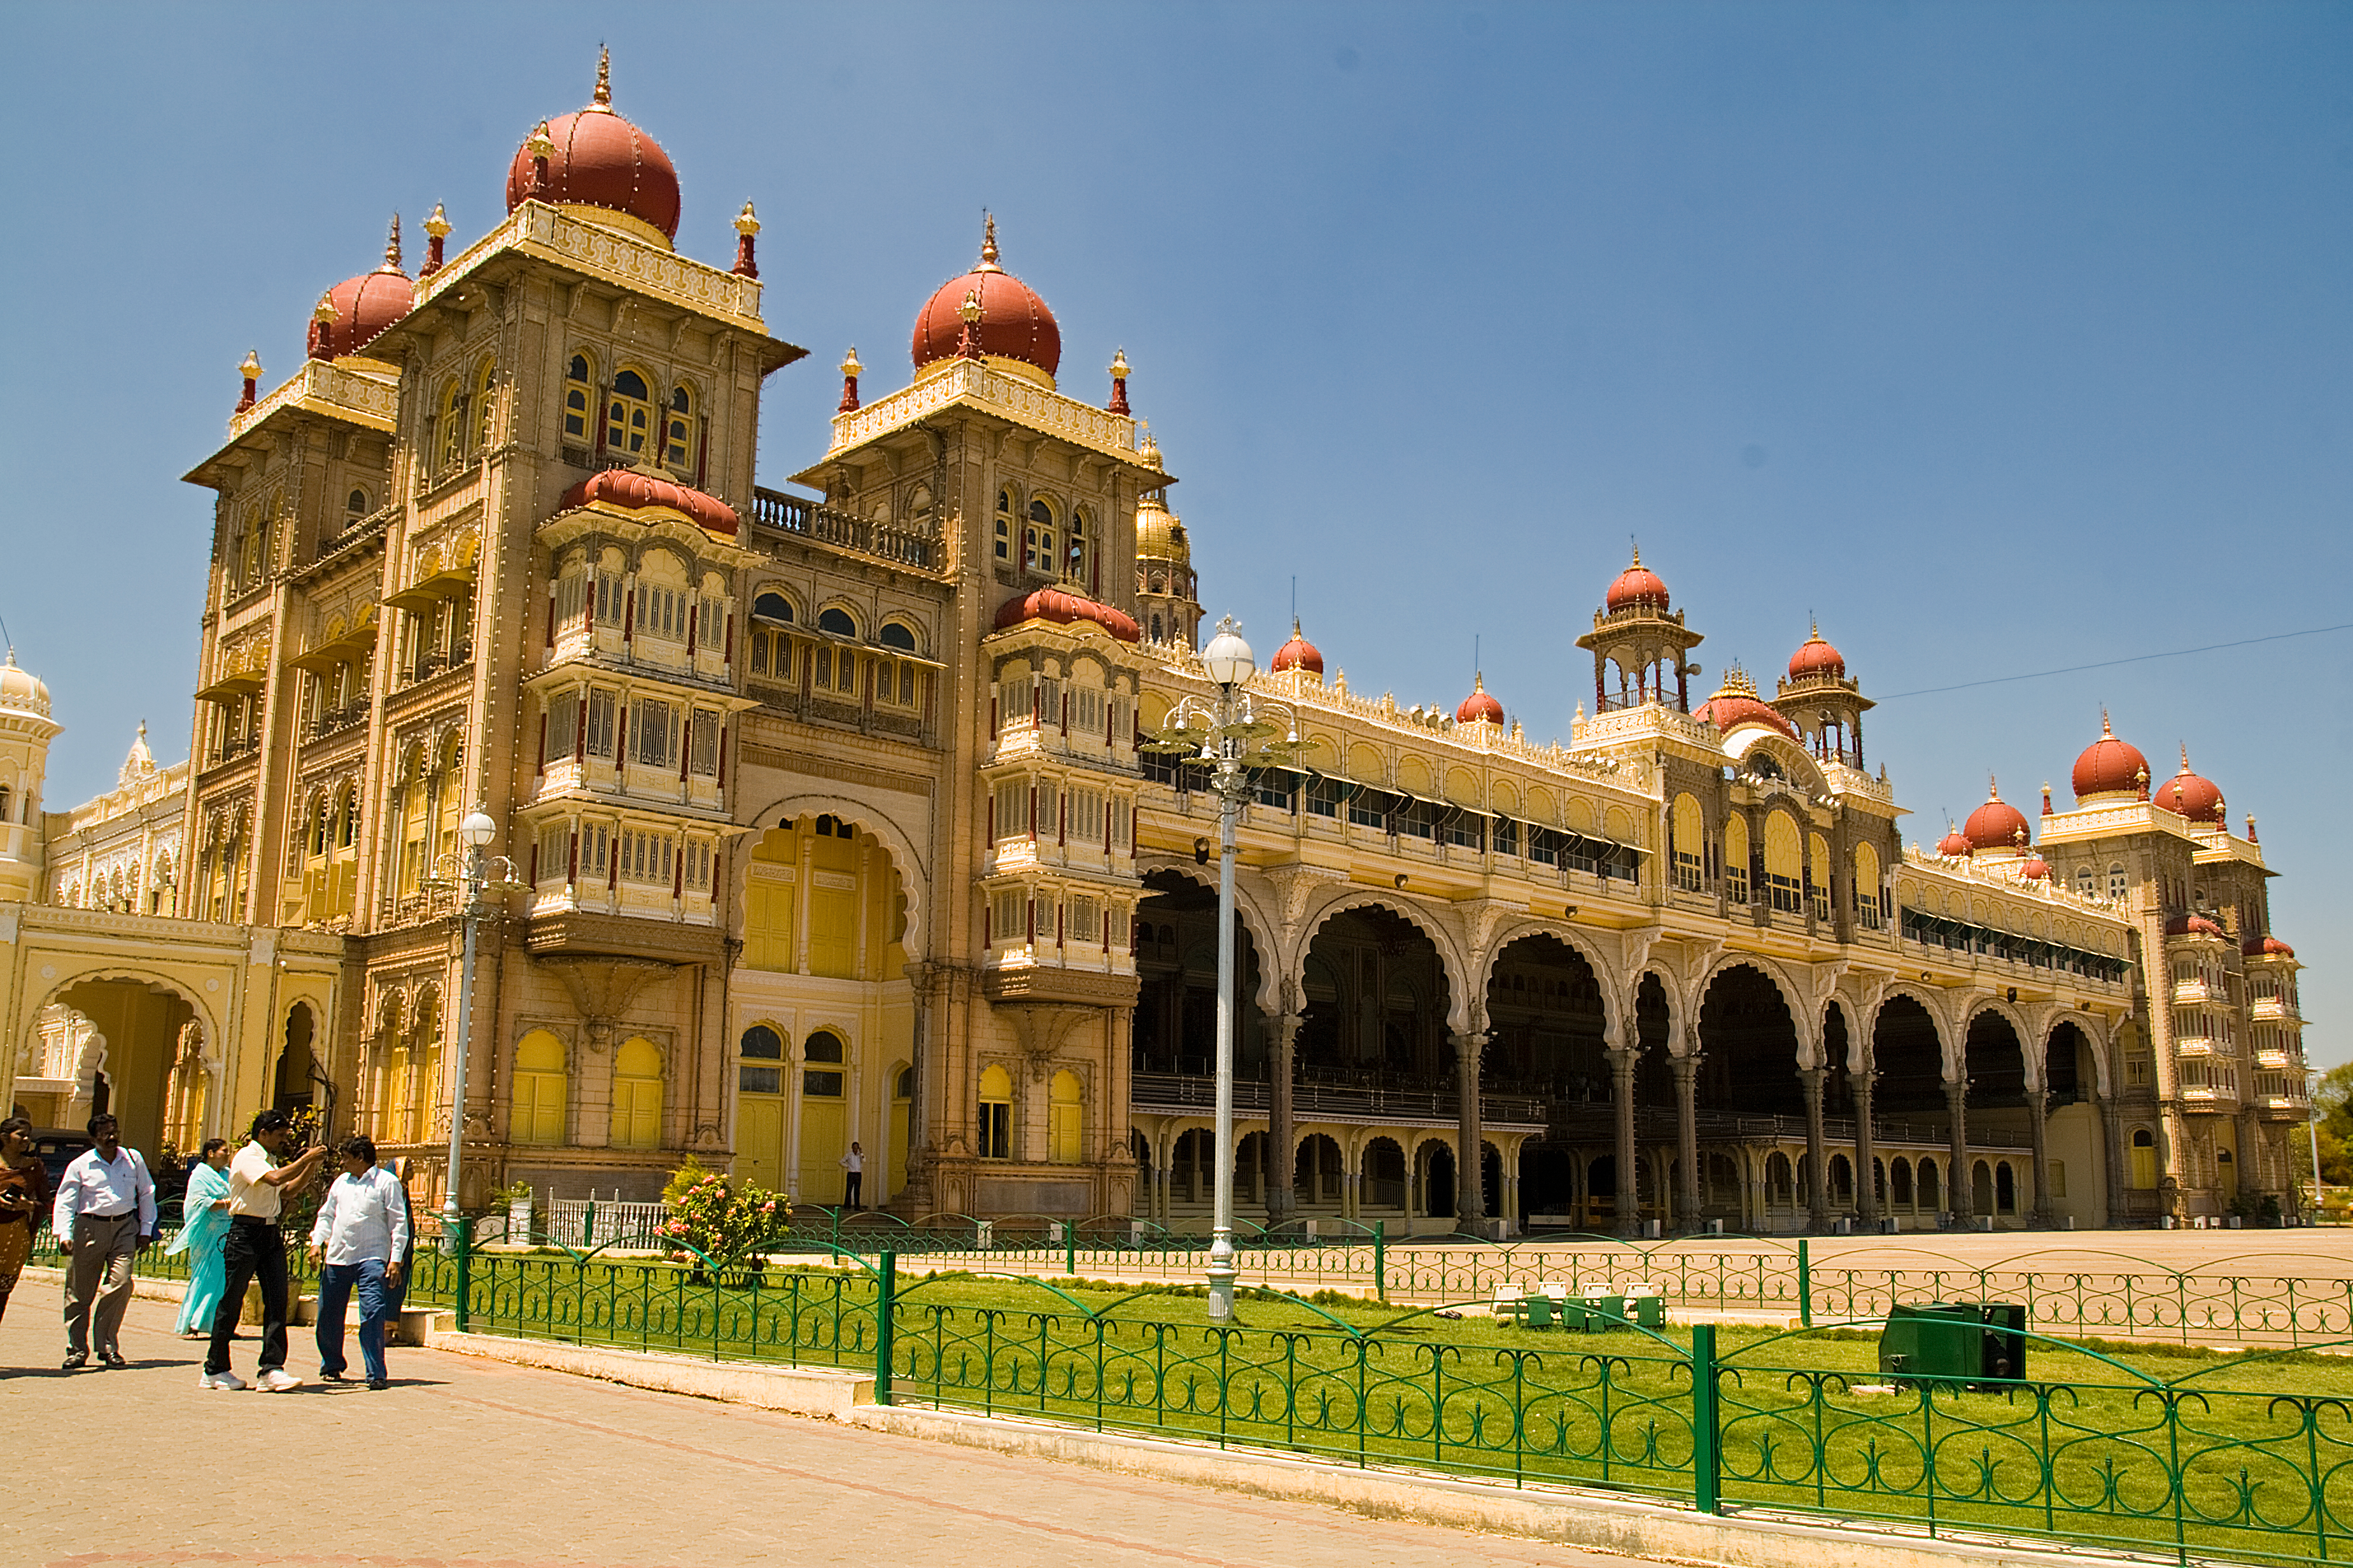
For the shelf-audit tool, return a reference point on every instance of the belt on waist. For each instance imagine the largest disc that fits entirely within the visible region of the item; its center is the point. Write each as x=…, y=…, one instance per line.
x=124, y=1214
x=269, y=1219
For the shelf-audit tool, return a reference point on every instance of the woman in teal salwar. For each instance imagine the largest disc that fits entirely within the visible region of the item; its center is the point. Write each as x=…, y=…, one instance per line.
x=204, y=1227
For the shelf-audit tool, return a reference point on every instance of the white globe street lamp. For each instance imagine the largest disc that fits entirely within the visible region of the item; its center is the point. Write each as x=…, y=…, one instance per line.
x=1232, y=735
x=473, y=881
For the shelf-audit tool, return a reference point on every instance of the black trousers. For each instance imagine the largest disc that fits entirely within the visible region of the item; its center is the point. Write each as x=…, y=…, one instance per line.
x=850, y=1185
x=253, y=1250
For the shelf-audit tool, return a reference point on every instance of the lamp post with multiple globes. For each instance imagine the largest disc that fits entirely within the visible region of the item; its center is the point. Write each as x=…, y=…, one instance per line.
x=1231, y=733
x=475, y=883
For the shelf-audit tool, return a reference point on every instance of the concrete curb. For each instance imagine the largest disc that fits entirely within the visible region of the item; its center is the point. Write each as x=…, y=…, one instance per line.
x=1601, y=1521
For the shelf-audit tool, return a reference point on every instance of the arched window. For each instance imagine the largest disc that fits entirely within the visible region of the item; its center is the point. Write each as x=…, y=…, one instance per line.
x=1038, y=540
x=1784, y=867
x=2117, y=884
x=1690, y=844
x=637, y=1095
x=1079, y=555
x=773, y=607
x=1736, y=859
x=355, y=507
x=2085, y=883
x=539, y=1090
x=1818, y=871
x=898, y=634
x=1005, y=525
x=996, y=1140
x=678, y=431
x=1867, y=911
x=1780, y=1183
x=449, y=441
x=1065, y=1119
x=1931, y=1196
x=576, y=377
x=486, y=385
x=761, y=1046
x=2144, y=1159
x=628, y=415
x=836, y=620
x=1899, y=1184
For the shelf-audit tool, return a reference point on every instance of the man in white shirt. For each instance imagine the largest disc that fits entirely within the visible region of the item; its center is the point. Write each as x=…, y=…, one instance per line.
x=855, y=1164
x=255, y=1250
x=104, y=1214
x=360, y=1238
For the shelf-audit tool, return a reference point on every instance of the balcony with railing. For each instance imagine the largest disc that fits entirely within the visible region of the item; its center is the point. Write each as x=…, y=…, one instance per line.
x=335, y=721
x=814, y=521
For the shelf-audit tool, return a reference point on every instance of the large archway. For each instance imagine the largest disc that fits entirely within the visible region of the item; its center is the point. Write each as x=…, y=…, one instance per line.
x=125, y=1057
x=1176, y=1029
x=1545, y=1038
x=1997, y=1114
x=1376, y=1003
x=1748, y=1042
x=1911, y=1118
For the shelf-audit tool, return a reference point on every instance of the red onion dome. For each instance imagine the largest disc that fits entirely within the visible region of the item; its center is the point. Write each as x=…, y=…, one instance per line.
x=632, y=491
x=1014, y=323
x=1637, y=585
x=597, y=159
x=1063, y=607
x=1736, y=703
x=357, y=310
x=1479, y=708
x=2036, y=870
x=1297, y=654
x=1953, y=844
x=2191, y=925
x=2187, y=795
x=2111, y=767
x=1816, y=656
x=1996, y=825
x=2267, y=947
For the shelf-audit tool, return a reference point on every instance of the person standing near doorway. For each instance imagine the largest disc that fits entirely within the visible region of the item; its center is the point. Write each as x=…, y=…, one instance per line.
x=105, y=1213
x=359, y=1241
x=855, y=1164
x=255, y=1250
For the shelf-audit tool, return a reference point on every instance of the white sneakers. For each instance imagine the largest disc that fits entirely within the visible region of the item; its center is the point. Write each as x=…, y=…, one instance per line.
x=276, y=1380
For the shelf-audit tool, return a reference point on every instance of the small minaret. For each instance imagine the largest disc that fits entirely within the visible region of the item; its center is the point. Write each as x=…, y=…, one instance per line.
x=1167, y=600
x=25, y=732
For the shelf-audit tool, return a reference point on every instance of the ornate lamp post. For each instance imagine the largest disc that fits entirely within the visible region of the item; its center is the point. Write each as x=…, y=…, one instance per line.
x=1232, y=733
x=474, y=883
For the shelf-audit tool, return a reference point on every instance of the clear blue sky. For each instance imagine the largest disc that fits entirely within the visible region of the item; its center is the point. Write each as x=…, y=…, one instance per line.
x=2001, y=337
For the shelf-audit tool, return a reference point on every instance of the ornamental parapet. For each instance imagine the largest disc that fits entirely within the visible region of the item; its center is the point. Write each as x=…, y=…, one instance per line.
x=362, y=394
x=2042, y=889
x=1009, y=396
x=1650, y=720
x=535, y=228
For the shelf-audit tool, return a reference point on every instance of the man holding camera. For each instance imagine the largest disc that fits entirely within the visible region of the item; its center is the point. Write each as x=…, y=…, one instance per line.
x=255, y=1250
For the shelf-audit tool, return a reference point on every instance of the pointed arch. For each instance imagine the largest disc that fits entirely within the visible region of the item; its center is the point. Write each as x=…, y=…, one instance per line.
x=1452, y=964
x=898, y=843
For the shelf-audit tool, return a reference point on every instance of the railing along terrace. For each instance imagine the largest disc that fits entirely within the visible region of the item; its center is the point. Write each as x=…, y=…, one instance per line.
x=813, y=520
x=1182, y=1091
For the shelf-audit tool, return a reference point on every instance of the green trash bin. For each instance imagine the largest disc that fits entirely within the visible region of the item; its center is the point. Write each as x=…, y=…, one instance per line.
x=1604, y=1312
x=1647, y=1311
x=1542, y=1310
x=1968, y=1344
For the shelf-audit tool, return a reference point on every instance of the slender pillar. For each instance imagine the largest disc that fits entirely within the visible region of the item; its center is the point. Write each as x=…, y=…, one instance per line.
x=1687, y=1205
x=2038, y=1113
x=1282, y=1134
x=1866, y=1156
x=1958, y=1177
x=1629, y=1213
x=1818, y=1184
x=1470, y=1183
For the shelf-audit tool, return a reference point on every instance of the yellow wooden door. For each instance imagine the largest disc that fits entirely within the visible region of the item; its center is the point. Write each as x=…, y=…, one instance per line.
x=760, y=1140
x=825, y=1138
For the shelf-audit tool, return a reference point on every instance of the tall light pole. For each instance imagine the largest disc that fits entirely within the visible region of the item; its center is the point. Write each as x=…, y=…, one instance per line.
x=2312, y=1132
x=474, y=883
x=1231, y=733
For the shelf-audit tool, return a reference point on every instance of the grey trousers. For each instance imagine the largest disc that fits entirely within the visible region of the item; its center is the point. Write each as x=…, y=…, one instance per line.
x=97, y=1280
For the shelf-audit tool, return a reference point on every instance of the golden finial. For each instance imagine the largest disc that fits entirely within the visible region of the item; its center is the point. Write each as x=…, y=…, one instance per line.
x=251, y=368
x=746, y=223
x=970, y=308
x=437, y=224
x=1119, y=366
x=988, y=242
x=1638, y=550
x=604, y=97
x=2185, y=756
x=2105, y=733
x=1150, y=451
x=324, y=312
x=540, y=144
x=1993, y=789
x=392, y=247
x=849, y=365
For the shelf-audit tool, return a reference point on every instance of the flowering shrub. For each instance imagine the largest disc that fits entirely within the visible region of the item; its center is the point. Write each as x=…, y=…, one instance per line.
x=730, y=1228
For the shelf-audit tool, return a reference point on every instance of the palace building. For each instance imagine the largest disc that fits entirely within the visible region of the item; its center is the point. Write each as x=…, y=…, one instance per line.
x=827, y=815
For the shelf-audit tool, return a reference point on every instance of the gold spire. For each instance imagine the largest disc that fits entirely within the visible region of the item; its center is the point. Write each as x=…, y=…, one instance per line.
x=540, y=144
x=1638, y=552
x=437, y=226
x=392, y=247
x=746, y=222
x=251, y=368
x=2185, y=756
x=1993, y=790
x=1119, y=365
x=988, y=244
x=849, y=365
x=603, y=98
x=970, y=308
x=325, y=311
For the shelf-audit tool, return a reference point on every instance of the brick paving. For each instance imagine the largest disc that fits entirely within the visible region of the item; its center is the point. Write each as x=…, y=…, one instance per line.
x=488, y=1465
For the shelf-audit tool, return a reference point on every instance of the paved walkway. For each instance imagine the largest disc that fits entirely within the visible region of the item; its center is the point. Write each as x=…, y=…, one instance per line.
x=470, y=1462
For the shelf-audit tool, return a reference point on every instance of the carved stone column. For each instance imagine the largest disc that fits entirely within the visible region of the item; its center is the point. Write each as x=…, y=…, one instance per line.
x=1471, y=1189
x=1956, y=1176
x=1818, y=1184
x=2037, y=1113
x=1687, y=1205
x=1866, y=1156
x=1281, y=1133
x=1622, y=1070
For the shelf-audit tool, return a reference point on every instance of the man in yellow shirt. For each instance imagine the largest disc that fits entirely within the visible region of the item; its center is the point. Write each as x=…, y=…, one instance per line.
x=254, y=1248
